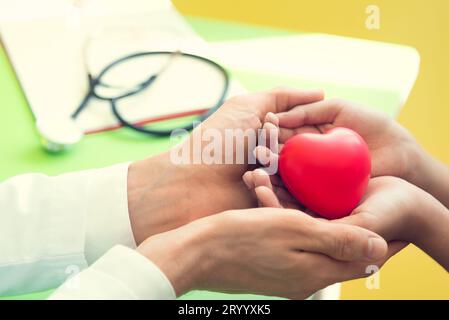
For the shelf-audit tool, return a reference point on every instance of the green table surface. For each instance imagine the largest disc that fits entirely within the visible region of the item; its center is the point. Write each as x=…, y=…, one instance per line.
x=21, y=151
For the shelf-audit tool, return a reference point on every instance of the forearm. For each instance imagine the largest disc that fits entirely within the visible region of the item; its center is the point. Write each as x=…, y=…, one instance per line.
x=163, y=196
x=431, y=175
x=181, y=254
x=433, y=232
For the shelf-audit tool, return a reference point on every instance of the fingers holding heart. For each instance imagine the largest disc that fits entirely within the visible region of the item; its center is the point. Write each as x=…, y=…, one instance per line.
x=272, y=118
x=287, y=133
x=269, y=135
x=264, y=190
x=248, y=180
x=266, y=157
x=269, y=190
x=266, y=185
x=316, y=113
x=260, y=183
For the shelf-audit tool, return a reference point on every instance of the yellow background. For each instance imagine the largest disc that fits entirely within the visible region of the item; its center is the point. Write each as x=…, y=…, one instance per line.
x=423, y=24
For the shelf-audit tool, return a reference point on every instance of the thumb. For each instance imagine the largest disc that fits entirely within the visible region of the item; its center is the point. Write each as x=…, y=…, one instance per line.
x=312, y=114
x=345, y=242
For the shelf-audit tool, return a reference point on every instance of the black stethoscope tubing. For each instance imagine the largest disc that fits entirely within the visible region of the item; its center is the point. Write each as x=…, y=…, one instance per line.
x=96, y=81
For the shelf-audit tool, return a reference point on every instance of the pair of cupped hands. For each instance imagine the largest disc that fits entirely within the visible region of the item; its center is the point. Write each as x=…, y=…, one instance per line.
x=278, y=248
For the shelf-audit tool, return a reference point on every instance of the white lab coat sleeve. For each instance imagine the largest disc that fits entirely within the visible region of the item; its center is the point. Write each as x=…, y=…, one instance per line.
x=121, y=274
x=53, y=227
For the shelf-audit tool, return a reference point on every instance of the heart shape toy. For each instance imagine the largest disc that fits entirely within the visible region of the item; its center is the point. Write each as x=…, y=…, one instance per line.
x=328, y=173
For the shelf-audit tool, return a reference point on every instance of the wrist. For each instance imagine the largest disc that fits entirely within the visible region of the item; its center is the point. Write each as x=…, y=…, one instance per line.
x=181, y=254
x=425, y=172
x=417, y=164
x=163, y=196
x=427, y=216
x=433, y=237
x=431, y=175
x=157, y=190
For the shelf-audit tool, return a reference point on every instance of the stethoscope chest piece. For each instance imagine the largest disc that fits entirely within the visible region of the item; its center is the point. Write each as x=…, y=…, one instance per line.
x=58, y=133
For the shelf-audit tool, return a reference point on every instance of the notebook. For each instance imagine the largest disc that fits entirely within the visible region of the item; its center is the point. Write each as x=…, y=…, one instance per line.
x=52, y=45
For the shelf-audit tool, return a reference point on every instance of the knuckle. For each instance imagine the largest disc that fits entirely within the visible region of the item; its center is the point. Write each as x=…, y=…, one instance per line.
x=299, y=220
x=364, y=218
x=344, y=244
x=302, y=114
x=278, y=95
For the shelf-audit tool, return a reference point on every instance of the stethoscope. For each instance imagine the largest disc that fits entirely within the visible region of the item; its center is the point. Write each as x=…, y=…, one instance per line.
x=51, y=132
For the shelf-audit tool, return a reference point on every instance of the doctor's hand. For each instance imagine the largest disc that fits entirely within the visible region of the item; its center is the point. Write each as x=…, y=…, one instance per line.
x=243, y=114
x=392, y=207
x=264, y=251
x=163, y=195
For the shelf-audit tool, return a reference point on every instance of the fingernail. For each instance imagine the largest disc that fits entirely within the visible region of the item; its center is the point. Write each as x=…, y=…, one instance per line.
x=255, y=152
x=246, y=183
x=270, y=126
x=271, y=118
x=376, y=249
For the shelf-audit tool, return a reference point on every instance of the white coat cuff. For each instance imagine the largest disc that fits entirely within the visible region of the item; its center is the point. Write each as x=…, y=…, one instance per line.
x=107, y=217
x=122, y=273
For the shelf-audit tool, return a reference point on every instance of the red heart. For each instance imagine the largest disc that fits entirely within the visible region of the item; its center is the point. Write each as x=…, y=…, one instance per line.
x=327, y=173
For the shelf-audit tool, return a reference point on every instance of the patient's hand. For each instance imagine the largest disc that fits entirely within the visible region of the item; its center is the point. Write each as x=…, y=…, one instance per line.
x=394, y=152
x=389, y=207
x=398, y=210
x=269, y=189
x=393, y=208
